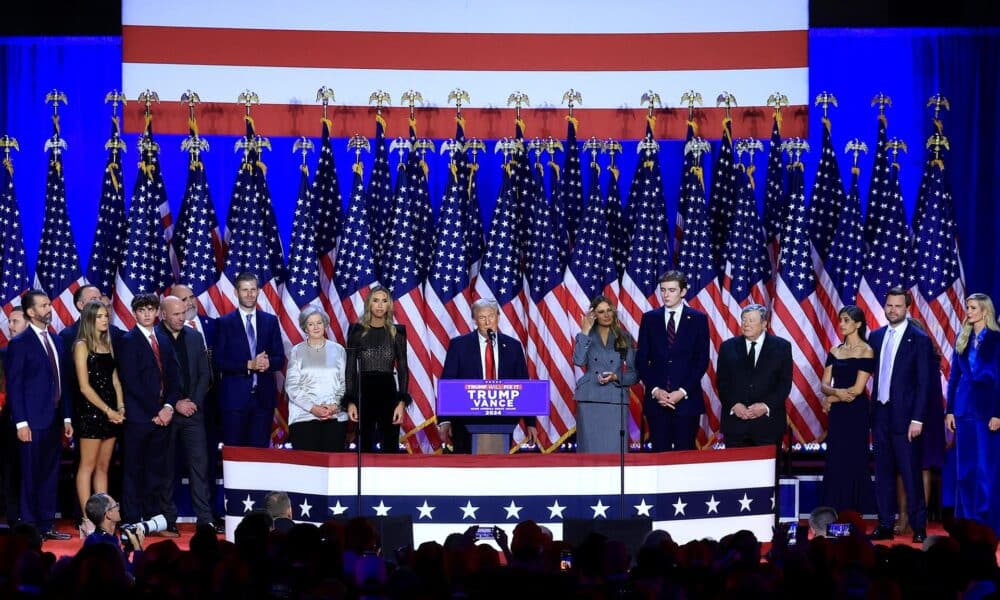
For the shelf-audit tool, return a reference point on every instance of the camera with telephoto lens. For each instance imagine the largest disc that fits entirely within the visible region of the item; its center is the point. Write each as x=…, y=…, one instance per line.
x=157, y=523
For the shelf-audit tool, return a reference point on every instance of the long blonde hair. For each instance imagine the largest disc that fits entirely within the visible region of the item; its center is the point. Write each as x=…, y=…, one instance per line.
x=88, y=333
x=989, y=316
x=366, y=316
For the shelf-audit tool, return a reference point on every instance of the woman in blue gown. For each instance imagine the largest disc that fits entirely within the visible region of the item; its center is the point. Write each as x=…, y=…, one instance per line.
x=973, y=413
x=847, y=482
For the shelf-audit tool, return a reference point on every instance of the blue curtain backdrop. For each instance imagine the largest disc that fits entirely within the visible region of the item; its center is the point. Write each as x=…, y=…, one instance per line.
x=908, y=64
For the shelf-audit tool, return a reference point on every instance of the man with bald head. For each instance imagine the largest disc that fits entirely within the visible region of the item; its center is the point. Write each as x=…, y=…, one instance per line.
x=188, y=428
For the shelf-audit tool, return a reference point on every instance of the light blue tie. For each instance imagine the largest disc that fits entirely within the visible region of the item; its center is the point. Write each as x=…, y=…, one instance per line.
x=885, y=369
x=252, y=340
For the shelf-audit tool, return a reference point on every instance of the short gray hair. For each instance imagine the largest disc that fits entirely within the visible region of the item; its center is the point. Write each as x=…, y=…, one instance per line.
x=757, y=308
x=485, y=303
x=97, y=507
x=310, y=311
x=277, y=504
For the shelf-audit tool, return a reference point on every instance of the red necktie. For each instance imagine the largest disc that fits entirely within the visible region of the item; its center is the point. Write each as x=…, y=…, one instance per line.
x=156, y=353
x=491, y=365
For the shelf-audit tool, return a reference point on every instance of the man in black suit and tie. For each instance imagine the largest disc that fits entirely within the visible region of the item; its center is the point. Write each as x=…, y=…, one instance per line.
x=671, y=360
x=899, y=407
x=754, y=375
x=147, y=369
x=41, y=410
x=188, y=424
x=484, y=353
x=10, y=475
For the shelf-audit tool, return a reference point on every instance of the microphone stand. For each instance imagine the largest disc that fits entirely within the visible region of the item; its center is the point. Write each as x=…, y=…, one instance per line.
x=356, y=366
x=622, y=434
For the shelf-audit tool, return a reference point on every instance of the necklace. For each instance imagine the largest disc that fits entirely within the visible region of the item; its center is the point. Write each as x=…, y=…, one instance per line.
x=316, y=348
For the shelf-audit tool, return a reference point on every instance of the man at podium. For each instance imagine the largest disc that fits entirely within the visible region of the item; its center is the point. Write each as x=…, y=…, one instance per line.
x=484, y=353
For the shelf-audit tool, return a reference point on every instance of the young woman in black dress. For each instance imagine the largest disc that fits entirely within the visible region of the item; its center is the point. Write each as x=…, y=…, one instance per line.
x=376, y=346
x=847, y=482
x=101, y=411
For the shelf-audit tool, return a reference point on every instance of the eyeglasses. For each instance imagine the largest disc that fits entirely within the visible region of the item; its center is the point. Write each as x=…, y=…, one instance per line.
x=113, y=507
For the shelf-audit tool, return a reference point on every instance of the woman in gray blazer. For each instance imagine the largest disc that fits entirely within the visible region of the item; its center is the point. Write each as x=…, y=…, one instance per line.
x=599, y=349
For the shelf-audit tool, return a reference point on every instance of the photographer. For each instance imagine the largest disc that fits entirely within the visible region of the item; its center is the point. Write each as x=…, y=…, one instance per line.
x=105, y=514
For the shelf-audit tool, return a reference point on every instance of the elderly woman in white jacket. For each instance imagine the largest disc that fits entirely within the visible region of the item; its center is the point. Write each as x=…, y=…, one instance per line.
x=315, y=384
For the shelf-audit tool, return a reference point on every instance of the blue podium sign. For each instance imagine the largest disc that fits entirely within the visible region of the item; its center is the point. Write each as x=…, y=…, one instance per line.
x=493, y=398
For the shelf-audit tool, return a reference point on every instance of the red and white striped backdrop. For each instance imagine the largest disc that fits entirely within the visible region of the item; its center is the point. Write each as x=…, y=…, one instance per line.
x=610, y=53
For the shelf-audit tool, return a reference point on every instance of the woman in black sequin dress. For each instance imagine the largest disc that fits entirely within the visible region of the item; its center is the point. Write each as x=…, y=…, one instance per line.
x=101, y=409
x=376, y=346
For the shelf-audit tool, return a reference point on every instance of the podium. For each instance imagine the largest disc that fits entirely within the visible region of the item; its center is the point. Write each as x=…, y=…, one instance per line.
x=490, y=409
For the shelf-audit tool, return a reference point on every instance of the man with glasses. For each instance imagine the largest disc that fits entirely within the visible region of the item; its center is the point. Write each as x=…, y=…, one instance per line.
x=105, y=514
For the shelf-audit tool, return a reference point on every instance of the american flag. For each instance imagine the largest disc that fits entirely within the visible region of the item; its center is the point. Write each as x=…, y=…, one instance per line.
x=746, y=266
x=448, y=286
x=798, y=314
x=549, y=347
x=475, y=243
x=846, y=259
x=14, y=274
x=57, y=271
x=825, y=207
x=355, y=273
x=722, y=200
x=649, y=255
x=407, y=262
x=198, y=242
x=886, y=261
x=145, y=265
x=940, y=283
x=616, y=223
x=327, y=208
x=378, y=199
x=775, y=207
x=486, y=48
x=568, y=202
x=112, y=229
x=686, y=164
x=694, y=259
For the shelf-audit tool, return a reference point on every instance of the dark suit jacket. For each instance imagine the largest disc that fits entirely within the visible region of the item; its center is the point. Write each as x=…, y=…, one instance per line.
x=769, y=382
x=910, y=377
x=463, y=361
x=684, y=364
x=30, y=381
x=140, y=376
x=197, y=365
x=974, y=390
x=232, y=353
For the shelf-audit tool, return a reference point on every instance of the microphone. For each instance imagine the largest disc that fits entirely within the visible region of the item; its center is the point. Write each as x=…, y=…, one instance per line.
x=491, y=335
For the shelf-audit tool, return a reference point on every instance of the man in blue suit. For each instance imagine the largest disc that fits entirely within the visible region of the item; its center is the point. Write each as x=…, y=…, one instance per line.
x=248, y=353
x=147, y=369
x=36, y=391
x=484, y=354
x=899, y=391
x=10, y=476
x=671, y=360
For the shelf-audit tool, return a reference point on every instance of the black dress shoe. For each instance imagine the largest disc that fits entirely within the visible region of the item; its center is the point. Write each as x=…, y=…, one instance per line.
x=919, y=535
x=58, y=536
x=882, y=533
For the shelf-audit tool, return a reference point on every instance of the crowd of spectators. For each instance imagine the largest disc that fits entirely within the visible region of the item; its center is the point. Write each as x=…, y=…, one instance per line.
x=344, y=560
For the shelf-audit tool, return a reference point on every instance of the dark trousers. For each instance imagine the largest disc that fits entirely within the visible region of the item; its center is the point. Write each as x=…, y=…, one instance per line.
x=40, y=475
x=10, y=469
x=669, y=430
x=896, y=454
x=378, y=401
x=318, y=436
x=146, y=491
x=187, y=434
x=250, y=427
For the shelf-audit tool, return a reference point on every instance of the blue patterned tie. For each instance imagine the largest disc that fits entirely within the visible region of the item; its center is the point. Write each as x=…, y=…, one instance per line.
x=252, y=340
x=885, y=369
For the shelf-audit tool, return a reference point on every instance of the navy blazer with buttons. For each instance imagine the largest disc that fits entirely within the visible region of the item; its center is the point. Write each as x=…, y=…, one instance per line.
x=140, y=375
x=232, y=352
x=974, y=390
x=30, y=381
x=909, y=380
x=684, y=363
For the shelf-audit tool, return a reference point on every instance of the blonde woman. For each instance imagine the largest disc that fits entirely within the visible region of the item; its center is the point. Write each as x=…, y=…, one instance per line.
x=100, y=408
x=973, y=412
x=377, y=373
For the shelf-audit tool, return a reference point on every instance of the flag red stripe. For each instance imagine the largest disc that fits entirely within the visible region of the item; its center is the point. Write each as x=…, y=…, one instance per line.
x=223, y=118
x=453, y=51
